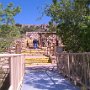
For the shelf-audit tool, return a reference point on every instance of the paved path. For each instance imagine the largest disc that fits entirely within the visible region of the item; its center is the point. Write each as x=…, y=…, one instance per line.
x=43, y=78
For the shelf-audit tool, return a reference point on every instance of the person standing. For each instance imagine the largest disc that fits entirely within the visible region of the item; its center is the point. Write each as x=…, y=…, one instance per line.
x=35, y=43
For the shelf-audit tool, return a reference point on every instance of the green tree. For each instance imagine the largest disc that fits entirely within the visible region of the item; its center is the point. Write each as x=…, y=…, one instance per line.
x=8, y=13
x=8, y=30
x=72, y=19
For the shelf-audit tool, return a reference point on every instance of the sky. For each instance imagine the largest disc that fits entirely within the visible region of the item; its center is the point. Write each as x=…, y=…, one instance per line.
x=31, y=11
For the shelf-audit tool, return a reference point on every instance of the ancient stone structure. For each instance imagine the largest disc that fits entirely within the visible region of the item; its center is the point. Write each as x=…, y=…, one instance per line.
x=48, y=40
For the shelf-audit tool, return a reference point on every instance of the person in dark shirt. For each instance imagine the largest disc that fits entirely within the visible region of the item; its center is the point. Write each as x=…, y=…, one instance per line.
x=35, y=43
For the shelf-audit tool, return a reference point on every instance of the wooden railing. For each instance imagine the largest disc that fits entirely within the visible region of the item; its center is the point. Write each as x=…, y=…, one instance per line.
x=75, y=67
x=13, y=65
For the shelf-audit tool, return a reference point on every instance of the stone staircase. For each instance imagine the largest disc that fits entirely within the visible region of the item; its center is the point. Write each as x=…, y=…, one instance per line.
x=33, y=51
x=35, y=56
x=37, y=60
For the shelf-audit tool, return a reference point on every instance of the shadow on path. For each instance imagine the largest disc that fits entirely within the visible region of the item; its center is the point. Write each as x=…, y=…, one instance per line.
x=44, y=79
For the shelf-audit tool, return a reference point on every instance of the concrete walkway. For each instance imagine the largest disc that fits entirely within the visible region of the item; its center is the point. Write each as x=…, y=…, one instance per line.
x=45, y=78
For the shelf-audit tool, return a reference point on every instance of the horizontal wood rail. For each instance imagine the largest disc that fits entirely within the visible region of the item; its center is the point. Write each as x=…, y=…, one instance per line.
x=13, y=64
x=75, y=66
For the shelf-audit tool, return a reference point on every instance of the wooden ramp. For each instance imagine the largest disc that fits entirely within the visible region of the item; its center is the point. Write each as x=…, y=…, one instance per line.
x=45, y=78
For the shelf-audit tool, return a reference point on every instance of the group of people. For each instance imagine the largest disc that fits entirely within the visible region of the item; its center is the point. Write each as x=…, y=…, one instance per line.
x=36, y=43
